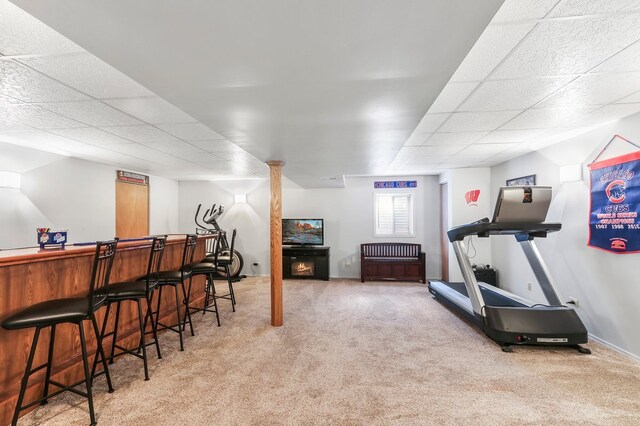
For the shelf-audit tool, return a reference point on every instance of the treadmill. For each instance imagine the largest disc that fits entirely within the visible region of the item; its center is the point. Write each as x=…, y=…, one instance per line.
x=504, y=317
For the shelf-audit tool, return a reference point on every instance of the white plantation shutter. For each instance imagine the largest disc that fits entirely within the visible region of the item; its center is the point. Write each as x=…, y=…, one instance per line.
x=394, y=215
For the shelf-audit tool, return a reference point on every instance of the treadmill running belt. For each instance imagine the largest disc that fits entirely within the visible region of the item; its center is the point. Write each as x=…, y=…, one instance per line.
x=490, y=298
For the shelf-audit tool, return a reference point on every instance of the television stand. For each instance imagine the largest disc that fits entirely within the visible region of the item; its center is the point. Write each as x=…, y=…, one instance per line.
x=305, y=262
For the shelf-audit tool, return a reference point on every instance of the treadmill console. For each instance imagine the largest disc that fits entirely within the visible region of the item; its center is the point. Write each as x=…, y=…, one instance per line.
x=522, y=204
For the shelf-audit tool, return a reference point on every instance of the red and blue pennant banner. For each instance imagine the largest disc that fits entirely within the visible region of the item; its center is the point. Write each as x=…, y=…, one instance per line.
x=614, y=224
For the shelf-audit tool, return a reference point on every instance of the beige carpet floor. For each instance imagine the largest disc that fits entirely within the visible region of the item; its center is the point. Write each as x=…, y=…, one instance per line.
x=355, y=354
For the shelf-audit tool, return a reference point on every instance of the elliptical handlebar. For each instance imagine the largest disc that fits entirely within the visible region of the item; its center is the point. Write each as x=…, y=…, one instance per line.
x=215, y=214
x=198, y=224
x=209, y=217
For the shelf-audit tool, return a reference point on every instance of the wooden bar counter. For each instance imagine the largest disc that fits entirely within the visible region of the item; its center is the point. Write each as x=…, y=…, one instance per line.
x=30, y=276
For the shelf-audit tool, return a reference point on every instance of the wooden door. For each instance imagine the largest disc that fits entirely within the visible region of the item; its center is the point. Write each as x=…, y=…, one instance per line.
x=444, y=227
x=132, y=210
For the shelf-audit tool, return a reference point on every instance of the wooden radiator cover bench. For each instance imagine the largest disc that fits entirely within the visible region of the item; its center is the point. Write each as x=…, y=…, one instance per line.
x=399, y=261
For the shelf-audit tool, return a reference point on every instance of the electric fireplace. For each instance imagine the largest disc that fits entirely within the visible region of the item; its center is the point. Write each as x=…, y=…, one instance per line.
x=303, y=268
x=305, y=263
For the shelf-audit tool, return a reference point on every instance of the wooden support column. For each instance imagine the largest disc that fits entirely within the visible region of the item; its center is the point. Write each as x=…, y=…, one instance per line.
x=275, y=168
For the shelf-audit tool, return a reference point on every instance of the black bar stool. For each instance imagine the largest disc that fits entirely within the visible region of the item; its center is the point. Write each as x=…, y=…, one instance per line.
x=224, y=260
x=72, y=310
x=136, y=291
x=208, y=269
x=175, y=279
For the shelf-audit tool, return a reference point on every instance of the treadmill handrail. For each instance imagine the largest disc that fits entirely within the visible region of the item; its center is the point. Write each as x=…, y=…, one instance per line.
x=484, y=229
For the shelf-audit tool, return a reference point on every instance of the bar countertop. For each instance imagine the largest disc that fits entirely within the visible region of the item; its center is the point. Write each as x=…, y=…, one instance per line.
x=36, y=254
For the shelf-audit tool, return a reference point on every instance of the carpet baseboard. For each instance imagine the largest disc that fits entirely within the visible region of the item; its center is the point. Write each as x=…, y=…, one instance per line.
x=615, y=348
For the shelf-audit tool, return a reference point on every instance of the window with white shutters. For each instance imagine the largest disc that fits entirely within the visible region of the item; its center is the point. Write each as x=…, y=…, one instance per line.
x=393, y=215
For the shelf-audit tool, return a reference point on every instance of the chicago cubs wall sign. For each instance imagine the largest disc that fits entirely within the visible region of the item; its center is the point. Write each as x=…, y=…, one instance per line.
x=614, y=224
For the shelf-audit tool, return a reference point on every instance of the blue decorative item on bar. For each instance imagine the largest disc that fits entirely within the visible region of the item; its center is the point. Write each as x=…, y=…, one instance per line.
x=46, y=237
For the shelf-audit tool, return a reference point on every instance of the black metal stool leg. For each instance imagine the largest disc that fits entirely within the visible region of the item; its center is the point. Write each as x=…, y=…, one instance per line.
x=186, y=304
x=144, y=346
x=115, y=333
x=179, y=319
x=25, y=378
x=52, y=339
x=154, y=328
x=101, y=352
x=158, y=306
x=231, y=295
x=102, y=334
x=207, y=291
x=87, y=377
x=215, y=302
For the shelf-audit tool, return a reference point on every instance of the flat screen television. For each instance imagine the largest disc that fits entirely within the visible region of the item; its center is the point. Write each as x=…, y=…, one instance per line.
x=307, y=232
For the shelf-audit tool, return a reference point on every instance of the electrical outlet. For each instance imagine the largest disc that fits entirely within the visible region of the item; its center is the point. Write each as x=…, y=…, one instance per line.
x=573, y=301
x=529, y=286
x=347, y=264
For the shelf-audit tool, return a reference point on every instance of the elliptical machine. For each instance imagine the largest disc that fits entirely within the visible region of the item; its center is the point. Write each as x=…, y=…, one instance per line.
x=210, y=217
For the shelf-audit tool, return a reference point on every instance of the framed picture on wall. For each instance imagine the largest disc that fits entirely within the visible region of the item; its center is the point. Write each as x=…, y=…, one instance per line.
x=523, y=180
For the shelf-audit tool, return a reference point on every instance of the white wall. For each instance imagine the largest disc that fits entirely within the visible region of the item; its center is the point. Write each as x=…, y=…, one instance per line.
x=163, y=205
x=68, y=193
x=459, y=182
x=607, y=285
x=347, y=213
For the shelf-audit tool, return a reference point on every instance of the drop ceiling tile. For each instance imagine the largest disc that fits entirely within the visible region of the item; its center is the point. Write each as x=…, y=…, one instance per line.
x=546, y=118
x=211, y=162
x=200, y=157
x=91, y=135
x=145, y=152
x=457, y=138
x=630, y=99
x=417, y=139
x=582, y=7
x=605, y=114
x=451, y=96
x=437, y=150
x=500, y=95
x=564, y=47
x=430, y=123
x=477, y=121
x=45, y=141
x=426, y=160
x=594, y=89
x=190, y=131
x=92, y=113
x=216, y=146
x=179, y=149
x=492, y=47
x=8, y=125
x=34, y=116
x=510, y=136
x=88, y=74
x=8, y=100
x=37, y=139
x=489, y=149
x=625, y=61
x=27, y=85
x=141, y=134
x=153, y=110
x=23, y=34
x=458, y=163
x=517, y=10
